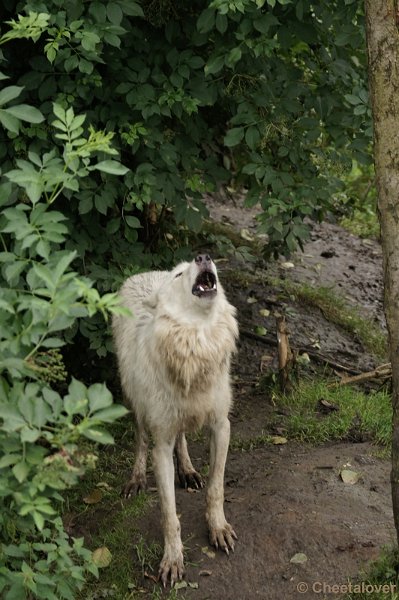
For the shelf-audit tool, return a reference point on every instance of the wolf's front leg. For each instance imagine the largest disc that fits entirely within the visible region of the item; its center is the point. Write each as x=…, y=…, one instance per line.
x=172, y=561
x=221, y=533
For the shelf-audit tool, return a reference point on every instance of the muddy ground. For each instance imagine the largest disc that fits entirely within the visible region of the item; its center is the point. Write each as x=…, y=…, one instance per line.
x=288, y=499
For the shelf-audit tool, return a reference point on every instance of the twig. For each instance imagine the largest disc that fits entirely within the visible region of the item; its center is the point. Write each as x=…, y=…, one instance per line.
x=381, y=372
x=317, y=356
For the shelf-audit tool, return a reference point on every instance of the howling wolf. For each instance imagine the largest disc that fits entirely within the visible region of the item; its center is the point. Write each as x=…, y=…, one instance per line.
x=174, y=360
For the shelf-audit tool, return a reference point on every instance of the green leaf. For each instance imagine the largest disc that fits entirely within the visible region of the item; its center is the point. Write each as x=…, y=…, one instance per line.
x=214, y=65
x=110, y=166
x=38, y=519
x=114, y=13
x=8, y=121
x=234, y=136
x=252, y=136
x=99, y=397
x=21, y=471
x=25, y=113
x=133, y=222
x=206, y=20
x=9, y=93
x=352, y=99
x=108, y=415
x=98, y=435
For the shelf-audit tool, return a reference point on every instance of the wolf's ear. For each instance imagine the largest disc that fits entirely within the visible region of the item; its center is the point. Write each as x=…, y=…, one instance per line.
x=151, y=302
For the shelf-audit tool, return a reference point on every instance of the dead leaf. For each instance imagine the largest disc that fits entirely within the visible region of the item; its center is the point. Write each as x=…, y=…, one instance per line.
x=350, y=477
x=326, y=407
x=303, y=359
x=94, y=497
x=246, y=235
x=287, y=265
x=101, y=557
x=259, y=330
x=264, y=312
x=104, y=484
x=180, y=585
x=209, y=553
x=278, y=440
x=151, y=576
x=193, y=584
x=251, y=300
x=205, y=573
x=299, y=559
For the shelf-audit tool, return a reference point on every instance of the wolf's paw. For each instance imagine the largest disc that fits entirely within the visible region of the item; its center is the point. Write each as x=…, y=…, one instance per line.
x=190, y=479
x=223, y=537
x=171, y=569
x=138, y=483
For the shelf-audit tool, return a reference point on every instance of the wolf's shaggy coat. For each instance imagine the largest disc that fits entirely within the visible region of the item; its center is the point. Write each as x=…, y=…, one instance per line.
x=174, y=360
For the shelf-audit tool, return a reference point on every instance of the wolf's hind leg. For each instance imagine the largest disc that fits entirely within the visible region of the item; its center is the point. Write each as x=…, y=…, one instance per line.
x=138, y=480
x=188, y=476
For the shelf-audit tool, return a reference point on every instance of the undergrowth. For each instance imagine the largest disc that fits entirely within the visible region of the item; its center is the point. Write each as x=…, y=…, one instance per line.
x=379, y=577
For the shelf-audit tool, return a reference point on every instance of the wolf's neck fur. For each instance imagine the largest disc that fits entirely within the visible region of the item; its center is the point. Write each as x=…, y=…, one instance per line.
x=194, y=355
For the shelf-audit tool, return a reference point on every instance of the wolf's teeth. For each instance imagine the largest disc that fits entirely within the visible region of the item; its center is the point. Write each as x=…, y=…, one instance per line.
x=214, y=286
x=201, y=288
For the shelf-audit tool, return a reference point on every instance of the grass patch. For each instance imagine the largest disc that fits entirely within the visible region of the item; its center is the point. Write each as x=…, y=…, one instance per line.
x=241, y=444
x=336, y=310
x=382, y=572
x=368, y=415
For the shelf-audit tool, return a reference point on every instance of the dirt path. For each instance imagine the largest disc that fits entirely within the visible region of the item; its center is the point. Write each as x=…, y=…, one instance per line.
x=285, y=500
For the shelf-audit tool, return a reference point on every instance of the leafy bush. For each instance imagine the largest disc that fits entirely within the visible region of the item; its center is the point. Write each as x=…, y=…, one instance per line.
x=272, y=92
x=41, y=296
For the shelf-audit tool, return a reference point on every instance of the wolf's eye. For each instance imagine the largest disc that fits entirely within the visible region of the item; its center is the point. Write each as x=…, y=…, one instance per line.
x=178, y=275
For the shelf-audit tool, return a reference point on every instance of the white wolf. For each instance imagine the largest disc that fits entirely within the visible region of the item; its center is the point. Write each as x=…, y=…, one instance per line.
x=174, y=361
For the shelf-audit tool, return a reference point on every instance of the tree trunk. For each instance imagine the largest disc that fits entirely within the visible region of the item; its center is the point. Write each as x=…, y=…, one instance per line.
x=382, y=25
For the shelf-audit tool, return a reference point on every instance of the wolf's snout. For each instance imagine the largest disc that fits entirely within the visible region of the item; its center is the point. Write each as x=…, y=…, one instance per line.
x=203, y=261
x=205, y=283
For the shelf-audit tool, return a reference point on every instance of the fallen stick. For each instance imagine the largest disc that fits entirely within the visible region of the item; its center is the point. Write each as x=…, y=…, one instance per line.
x=317, y=356
x=381, y=372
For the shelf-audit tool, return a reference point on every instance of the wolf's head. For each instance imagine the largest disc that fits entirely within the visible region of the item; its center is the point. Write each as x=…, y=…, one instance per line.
x=192, y=288
x=200, y=276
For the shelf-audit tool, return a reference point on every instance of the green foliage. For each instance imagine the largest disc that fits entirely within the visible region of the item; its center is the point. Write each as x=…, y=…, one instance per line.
x=358, y=202
x=276, y=89
x=41, y=297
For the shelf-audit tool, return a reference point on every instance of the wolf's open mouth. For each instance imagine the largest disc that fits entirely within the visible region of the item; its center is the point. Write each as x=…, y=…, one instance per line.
x=205, y=284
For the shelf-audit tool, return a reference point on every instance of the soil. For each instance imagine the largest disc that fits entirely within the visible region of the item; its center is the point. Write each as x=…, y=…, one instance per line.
x=288, y=499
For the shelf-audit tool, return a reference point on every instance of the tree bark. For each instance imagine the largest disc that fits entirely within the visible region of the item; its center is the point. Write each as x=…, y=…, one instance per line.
x=382, y=27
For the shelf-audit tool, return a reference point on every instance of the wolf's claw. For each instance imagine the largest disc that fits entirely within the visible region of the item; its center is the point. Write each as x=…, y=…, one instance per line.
x=136, y=484
x=223, y=538
x=190, y=479
x=171, y=569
